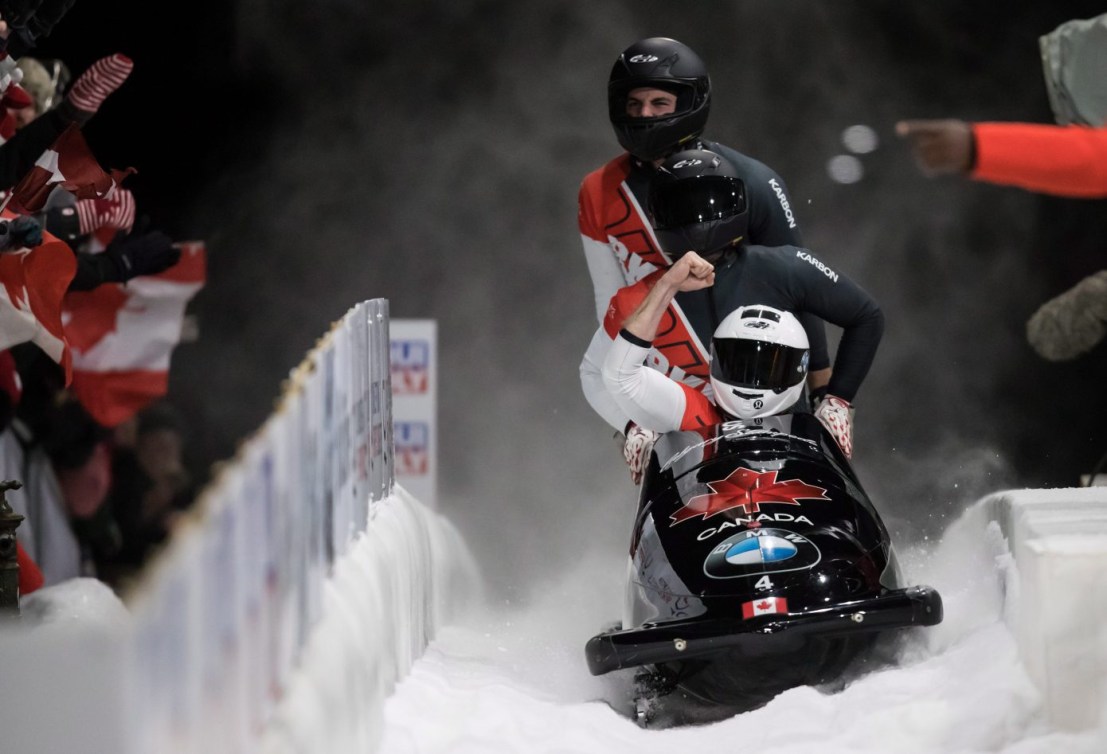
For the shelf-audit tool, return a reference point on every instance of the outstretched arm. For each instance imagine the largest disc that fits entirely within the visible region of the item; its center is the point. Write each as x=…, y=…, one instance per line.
x=1059, y=160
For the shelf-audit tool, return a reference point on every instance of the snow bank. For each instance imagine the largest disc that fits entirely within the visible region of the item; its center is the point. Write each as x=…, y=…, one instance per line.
x=1056, y=601
x=384, y=603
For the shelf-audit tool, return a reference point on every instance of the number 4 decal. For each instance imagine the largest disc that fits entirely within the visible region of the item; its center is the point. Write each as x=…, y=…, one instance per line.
x=763, y=583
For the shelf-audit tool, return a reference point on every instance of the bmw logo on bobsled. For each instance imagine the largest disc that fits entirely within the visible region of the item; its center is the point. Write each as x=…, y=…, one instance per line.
x=757, y=563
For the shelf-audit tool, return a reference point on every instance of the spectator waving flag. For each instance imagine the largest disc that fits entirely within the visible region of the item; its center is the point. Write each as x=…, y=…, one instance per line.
x=122, y=337
x=68, y=164
x=32, y=285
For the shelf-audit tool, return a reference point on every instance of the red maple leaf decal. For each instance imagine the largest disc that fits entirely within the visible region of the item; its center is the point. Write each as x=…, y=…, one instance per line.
x=747, y=489
x=764, y=605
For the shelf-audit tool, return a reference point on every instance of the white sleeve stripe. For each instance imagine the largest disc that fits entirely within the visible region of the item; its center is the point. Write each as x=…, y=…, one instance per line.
x=607, y=275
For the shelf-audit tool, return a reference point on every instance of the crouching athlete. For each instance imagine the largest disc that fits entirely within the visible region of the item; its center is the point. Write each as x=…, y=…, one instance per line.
x=759, y=359
x=697, y=205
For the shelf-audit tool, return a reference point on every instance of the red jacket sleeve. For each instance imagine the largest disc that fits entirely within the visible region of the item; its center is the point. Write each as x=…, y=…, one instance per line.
x=625, y=301
x=588, y=199
x=699, y=412
x=1060, y=160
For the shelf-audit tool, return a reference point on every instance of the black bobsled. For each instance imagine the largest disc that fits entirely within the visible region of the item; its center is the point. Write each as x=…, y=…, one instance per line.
x=757, y=563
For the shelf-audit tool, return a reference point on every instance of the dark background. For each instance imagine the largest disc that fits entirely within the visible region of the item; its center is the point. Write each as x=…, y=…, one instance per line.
x=431, y=154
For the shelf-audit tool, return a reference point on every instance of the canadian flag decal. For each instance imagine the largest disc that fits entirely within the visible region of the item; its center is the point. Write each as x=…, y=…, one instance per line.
x=764, y=606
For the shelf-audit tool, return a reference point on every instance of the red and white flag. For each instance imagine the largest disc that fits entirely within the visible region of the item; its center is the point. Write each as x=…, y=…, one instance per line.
x=33, y=283
x=764, y=607
x=122, y=337
x=68, y=164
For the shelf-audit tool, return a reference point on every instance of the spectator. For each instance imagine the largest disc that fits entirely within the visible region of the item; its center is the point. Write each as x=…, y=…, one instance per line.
x=61, y=455
x=1069, y=160
x=150, y=487
x=89, y=91
x=44, y=81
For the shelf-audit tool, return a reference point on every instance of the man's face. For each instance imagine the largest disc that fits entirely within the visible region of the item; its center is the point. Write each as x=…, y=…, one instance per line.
x=645, y=102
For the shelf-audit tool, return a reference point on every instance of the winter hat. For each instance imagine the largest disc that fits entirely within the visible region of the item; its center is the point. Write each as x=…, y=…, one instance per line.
x=1074, y=58
x=44, y=81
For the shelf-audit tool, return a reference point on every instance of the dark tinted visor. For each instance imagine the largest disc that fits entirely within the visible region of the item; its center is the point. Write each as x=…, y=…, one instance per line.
x=700, y=200
x=756, y=364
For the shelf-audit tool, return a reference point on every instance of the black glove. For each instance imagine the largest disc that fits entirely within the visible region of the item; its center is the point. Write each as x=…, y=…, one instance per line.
x=24, y=232
x=142, y=254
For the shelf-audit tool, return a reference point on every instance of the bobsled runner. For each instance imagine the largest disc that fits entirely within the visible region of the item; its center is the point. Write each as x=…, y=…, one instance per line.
x=757, y=563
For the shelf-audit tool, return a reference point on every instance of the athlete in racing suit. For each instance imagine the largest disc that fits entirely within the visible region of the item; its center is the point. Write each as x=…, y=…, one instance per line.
x=787, y=278
x=619, y=244
x=697, y=204
x=750, y=275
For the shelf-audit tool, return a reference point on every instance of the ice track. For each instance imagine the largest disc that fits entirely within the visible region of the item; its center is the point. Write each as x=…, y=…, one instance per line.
x=513, y=679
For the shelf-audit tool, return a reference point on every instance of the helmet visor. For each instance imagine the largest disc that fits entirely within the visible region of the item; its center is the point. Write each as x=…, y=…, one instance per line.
x=757, y=363
x=679, y=203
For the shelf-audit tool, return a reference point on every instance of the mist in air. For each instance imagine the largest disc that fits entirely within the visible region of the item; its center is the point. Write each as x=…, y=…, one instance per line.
x=431, y=154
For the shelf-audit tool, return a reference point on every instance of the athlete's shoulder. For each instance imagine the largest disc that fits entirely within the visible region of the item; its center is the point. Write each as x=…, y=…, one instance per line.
x=777, y=256
x=596, y=192
x=614, y=171
x=793, y=257
x=749, y=167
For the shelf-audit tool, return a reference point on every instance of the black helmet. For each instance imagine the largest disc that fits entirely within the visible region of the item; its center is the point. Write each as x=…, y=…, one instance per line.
x=661, y=63
x=697, y=202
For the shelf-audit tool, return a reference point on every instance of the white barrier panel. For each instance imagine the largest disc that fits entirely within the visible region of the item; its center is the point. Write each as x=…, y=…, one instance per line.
x=289, y=535
x=1058, y=612
x=381, y=607
x=415, y=406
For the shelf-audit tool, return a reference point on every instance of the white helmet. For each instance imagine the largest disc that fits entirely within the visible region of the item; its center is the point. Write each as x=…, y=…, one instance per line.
x=759, y=360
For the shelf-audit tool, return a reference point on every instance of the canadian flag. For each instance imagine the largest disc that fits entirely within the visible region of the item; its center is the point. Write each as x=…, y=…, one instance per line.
x=122, y=337
x=34, y=282
x=68, y=163
x=764, y=606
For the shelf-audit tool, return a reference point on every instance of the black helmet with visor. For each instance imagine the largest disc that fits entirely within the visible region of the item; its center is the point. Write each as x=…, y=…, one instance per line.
x=659, y=63
x=697, y=203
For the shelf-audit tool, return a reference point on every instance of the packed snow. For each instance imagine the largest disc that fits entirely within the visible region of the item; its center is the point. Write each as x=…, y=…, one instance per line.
x=513, y=678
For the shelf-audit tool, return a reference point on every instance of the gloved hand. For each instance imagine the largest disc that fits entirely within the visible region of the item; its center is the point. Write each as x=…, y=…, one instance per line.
x=101, y=79
x=837, y=416
x=636, y=449
x=116, y=210
x=142, y=253
x=1072, y=323
x=23, y=232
